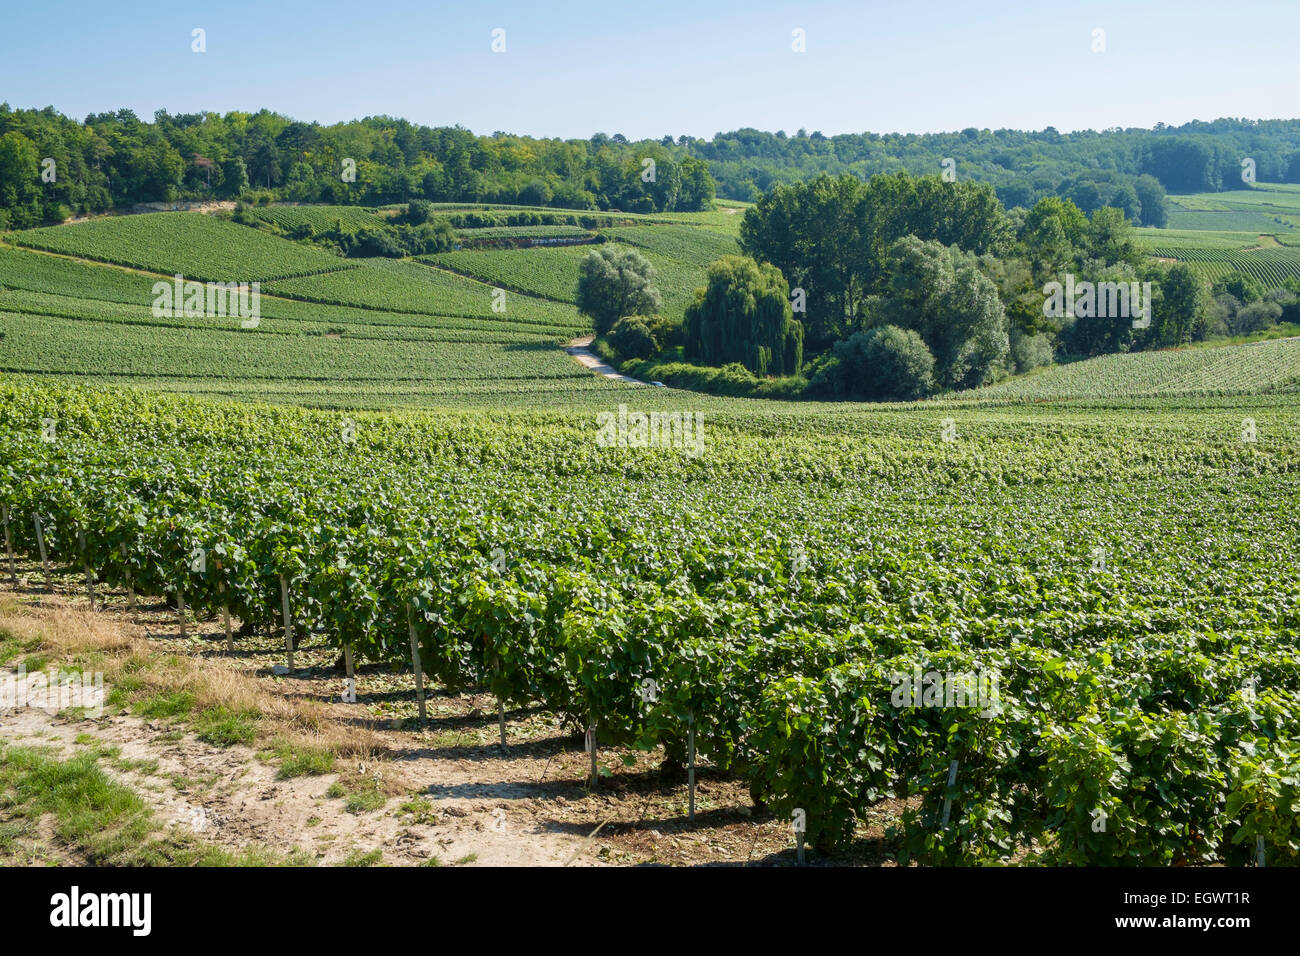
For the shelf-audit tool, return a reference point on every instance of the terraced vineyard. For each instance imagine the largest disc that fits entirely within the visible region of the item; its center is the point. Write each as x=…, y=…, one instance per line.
x=1258, y=367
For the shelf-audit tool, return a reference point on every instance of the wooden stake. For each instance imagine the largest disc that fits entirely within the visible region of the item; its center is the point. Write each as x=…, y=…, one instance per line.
x=347, y=668
x=415, y=661
x=501, y=711
x=690, y=763
x=288, y=622
x=180, y=612
x=130, y=584
x=225, y=618
x=90, y=581
x=947, y=800
x=40, y=546
x=591, y=745
x=9, y=548
x=1259, y=850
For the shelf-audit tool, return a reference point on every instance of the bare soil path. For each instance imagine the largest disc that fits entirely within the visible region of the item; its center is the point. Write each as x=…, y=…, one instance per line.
x=580, y=349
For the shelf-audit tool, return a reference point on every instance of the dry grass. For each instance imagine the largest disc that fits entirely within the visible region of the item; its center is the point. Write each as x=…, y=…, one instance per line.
x=70, y=634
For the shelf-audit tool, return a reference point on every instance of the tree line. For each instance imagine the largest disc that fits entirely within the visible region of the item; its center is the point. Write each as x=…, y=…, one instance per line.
x=115, y=160
x=1128, y=169
x=901, y=287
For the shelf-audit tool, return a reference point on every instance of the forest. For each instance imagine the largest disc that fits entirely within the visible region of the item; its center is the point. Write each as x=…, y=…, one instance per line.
x=53, y=166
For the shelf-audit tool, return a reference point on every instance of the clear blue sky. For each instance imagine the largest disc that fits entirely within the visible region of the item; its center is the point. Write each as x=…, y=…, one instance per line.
x=574, y=67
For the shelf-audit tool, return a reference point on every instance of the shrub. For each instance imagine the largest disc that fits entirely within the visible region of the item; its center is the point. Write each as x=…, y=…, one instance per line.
x=884, y=363
x=1030, y=351
x=631, y=338
x=418, y=211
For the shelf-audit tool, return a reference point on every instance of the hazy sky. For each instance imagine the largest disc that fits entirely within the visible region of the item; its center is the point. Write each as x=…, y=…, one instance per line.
x=665, y=67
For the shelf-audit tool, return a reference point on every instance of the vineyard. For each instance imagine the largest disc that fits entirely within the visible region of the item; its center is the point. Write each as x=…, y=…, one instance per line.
x=553, y=272
x=1263, y=208
x=320, y=218
x=192, y=244
x=549, y=273
x=1270, y=266
x=399, y=286
x=1255, y=368
x=1117, y=574
x=685, y=244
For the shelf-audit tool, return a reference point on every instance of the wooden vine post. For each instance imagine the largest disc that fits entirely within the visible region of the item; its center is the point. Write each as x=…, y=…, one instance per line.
x=85, y=565
x=591, y=745
x=225, y=616
x=130, y=584
x=9, y=548
x=180, y=612
x=501, y=709
x=40, y=546
x=947, y=798
x=288, y=621
x=690, y=763
x=415, y=662
x=347, y=668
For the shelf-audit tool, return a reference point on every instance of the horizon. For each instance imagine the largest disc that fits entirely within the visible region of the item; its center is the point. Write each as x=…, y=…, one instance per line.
x=149, y=118
x=639, y=73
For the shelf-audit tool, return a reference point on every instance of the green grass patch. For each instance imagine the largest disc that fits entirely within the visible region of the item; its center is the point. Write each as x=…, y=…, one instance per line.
x=303, y=761
x=357, y=858
x=364, y=801
x=168, y=704
x=224, y=727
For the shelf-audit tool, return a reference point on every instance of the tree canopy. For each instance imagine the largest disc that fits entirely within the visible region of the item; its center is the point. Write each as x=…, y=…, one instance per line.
x=744, y=315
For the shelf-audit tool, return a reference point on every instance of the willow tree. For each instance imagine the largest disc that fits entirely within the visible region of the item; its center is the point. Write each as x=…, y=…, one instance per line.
x=744, y=315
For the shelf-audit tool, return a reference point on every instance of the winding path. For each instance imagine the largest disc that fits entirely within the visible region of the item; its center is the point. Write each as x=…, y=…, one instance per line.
x=583, y=355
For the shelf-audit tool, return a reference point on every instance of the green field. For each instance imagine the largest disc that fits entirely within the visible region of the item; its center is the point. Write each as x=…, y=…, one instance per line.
x=550, y=272
x=367, y=333
x=1117, y=576
x=680, y=254
x=400, y=286
x=192, y=244
x=521, y=232
x=1255, y=368
x=1101, y=537
x=1150, y=238
x=321, y=218
x=688, y=245
x=1265, y=208
x=1253, y=231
